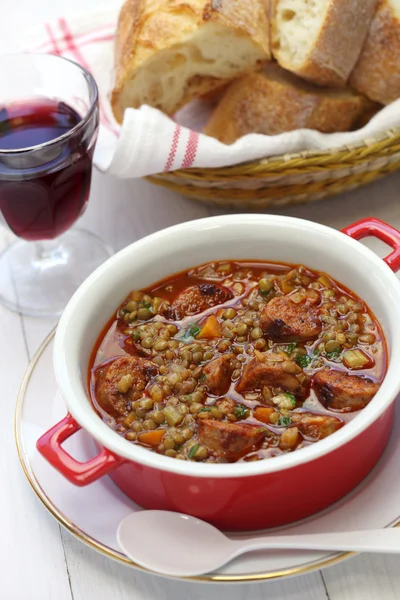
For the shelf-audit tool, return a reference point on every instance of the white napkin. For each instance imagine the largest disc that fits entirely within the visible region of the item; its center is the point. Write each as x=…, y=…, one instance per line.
x=150, y=142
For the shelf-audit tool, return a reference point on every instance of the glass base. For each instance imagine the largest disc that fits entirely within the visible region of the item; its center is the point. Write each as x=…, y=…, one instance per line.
x=39, y=278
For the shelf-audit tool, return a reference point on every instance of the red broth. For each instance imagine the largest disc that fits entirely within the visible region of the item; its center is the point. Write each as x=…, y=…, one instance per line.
x=236, y=361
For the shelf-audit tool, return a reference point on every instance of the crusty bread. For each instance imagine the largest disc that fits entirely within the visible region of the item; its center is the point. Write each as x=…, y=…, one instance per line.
x=377, y=73
x=320, y=40
x=171, y=51
x=273, y=101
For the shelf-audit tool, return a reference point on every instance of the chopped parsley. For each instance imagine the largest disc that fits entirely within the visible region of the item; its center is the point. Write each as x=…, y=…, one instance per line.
x=289, y=349
x=291, y=398
x=191, y=331
x=333, y=355
x=203, y=377
x=194, y=330
x=205, y=409
x=241, y=411
x=316, y=353
x=303, y=360
x=284, y=422
x=136, y=336
x=193, y=450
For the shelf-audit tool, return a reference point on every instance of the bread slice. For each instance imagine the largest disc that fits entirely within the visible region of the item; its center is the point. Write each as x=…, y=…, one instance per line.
x=273, y=101
x=320, y=40
x=169, y=52
x=377, y=73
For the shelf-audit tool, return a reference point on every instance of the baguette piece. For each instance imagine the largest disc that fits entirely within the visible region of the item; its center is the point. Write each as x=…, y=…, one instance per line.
x=320, y=40
x=169, y=52
x=377, y=73
x=274, y=101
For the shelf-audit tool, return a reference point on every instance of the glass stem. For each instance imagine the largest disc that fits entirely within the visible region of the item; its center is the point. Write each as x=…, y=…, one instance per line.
x=39, y=250
x=49, y=253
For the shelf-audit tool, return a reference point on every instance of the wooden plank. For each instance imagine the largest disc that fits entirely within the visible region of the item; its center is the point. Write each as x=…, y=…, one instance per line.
x=123, y=211
x=365, y=577
x=31, y=552
x=308, y=587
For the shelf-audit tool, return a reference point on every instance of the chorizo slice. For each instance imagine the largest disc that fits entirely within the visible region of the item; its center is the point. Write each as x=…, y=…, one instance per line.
x=218, y=374
x=230, y=441
x=197, y=298
x=314, y=426
x=285, y=321
x=258, y=374
x=135, y=372
x=339, y=391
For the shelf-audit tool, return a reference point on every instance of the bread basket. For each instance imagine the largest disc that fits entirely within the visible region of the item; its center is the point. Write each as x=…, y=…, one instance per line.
x=291, y=178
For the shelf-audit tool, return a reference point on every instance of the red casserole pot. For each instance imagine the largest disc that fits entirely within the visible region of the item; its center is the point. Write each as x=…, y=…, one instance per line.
x=238, y=496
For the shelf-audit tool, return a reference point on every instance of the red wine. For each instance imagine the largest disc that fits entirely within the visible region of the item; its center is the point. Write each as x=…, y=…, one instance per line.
x=44, y=190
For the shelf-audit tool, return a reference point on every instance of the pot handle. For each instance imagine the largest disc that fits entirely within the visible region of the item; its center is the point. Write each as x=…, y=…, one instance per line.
x=79, y=473
x=381, y=230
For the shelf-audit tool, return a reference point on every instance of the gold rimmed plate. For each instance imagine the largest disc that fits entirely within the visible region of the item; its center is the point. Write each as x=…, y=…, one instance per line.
x=93, y=513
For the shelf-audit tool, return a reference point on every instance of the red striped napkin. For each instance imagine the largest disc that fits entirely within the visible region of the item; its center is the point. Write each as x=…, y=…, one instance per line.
x=149, y=142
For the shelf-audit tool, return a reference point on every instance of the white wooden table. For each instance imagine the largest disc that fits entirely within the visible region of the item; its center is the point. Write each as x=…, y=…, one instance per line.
x=40, y=561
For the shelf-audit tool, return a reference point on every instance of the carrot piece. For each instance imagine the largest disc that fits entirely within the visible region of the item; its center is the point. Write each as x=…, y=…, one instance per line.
x=210, y=330
x=152, y=438
x=263, y=414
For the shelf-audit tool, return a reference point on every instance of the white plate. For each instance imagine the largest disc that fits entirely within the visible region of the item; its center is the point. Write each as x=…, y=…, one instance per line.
x=93, y=513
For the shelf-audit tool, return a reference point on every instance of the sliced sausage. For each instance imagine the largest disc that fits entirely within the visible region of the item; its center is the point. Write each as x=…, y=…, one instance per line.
x=340, y=391
x=108, y=395
x=218, y=374
x=285, y=321
x=316, y=427
x=197, y=298
x=258, y=374
x=230, y=441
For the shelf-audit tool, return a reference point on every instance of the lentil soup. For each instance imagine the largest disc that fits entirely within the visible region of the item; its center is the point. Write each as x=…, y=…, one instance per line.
x=236, y=361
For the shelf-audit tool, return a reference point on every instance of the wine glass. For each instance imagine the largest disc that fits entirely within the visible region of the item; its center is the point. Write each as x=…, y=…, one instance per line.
x=49, y=120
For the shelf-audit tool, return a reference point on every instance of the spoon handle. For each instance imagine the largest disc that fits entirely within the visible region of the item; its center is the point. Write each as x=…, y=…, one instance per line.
x=380, y=540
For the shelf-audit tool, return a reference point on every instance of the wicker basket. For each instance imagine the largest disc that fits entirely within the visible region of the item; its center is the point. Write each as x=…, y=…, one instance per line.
x=291, y=178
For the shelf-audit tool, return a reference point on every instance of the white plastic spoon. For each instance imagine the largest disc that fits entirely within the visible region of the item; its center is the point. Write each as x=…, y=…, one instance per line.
x=182, y=546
